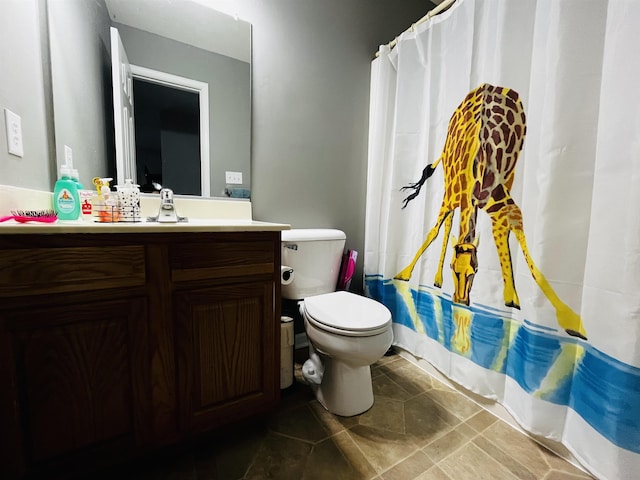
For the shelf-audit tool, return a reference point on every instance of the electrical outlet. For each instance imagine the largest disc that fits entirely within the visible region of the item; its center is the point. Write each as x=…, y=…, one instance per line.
x=233, y=178
x=14, y=133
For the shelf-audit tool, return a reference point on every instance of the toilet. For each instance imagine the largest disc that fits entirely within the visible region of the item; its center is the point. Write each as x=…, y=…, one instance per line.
x=347, y=333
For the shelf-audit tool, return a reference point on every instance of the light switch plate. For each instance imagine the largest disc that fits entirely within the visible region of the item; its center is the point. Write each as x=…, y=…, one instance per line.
x=68, y=155
x=13, y=123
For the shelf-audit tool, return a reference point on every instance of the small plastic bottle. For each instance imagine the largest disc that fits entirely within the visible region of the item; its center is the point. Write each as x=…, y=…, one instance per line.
x=84, y=195
x=66, y=201
x=86, y=206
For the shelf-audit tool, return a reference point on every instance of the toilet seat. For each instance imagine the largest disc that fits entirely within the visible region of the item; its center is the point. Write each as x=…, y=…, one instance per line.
x=347, y=314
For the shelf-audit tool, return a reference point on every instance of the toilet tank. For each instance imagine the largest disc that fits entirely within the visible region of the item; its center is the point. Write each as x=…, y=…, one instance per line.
x=315, y=255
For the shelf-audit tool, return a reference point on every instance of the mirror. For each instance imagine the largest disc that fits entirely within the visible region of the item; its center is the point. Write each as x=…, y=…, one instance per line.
x=174, y=39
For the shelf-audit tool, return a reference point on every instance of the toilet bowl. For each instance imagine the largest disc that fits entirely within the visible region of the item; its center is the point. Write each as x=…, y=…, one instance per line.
x=347, y=333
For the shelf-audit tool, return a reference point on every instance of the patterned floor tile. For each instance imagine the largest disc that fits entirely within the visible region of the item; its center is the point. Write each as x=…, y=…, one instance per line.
x=472, y=463
x=279, y=458
x=426, y=420
x=409, y=377
x=383, y=386
x=434, y=473
x=536, y=458
x=382, y=448
x=446, y=445
x=481, y=420
x=386, y=414
x=510, y=463
x=417, y=429
x=336, y=459
x=299, y=423
x=410, y=467
x=461, y=407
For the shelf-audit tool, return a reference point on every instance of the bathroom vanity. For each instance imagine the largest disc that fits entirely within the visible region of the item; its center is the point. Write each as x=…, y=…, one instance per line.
x=116, y=341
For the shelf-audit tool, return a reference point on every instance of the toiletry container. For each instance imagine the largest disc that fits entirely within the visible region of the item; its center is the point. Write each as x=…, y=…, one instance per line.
x=106, y=207
x=287, y=338
x=66, y=201
x=75, y=176
x=129, y=199
x=86, y=207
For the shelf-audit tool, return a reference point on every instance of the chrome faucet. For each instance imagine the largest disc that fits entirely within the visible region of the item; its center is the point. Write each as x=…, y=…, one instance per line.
x=167, y=213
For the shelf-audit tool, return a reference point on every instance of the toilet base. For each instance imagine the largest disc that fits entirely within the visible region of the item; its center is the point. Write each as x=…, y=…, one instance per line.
x=345, y=390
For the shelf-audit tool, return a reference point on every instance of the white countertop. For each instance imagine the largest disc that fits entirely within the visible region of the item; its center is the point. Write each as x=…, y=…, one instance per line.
x=193, y=225
x=204, y=214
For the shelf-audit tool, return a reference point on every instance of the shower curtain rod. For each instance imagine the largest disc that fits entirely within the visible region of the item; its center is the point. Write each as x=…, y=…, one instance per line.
x=431, y=13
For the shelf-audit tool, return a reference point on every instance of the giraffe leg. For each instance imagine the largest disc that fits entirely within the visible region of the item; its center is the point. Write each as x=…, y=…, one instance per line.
x=448, y=221
x=567, y=318
x=501, y=239
x=405, y=274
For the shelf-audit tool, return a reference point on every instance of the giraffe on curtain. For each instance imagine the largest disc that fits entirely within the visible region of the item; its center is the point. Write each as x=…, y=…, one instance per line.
x=484, y=139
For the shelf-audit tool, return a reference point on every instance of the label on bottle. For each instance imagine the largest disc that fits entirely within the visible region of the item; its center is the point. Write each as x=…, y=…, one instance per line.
x=65, y=201
x=86, y=206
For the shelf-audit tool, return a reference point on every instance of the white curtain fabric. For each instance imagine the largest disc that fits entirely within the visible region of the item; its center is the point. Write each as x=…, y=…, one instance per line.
x=575, y=65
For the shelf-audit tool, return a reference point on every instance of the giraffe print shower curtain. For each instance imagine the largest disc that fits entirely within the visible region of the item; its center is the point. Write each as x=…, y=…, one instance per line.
x=503, y=212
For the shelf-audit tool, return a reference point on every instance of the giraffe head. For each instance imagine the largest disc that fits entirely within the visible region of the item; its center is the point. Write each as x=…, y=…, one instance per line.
x=464, y=266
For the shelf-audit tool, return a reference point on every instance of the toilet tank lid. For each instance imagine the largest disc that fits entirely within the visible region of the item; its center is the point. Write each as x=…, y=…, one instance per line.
x=312, y=234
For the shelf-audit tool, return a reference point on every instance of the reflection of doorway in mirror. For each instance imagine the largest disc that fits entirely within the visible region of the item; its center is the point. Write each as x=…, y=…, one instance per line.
x=174, y=139
x=175, y=111
x=167, y=138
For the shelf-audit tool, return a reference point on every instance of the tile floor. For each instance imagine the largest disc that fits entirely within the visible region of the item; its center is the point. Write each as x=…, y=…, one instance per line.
x=418, y=428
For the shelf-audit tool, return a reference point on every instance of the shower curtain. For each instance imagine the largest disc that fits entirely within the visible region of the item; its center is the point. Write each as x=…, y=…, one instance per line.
x=503, y=212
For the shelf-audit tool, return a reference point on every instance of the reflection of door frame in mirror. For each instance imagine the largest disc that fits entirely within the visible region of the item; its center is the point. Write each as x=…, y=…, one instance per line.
x=195, y=86
x=122, y=110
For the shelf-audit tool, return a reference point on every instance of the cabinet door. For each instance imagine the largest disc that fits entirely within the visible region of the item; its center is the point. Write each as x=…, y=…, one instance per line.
x=76, y=379
x=227, y=353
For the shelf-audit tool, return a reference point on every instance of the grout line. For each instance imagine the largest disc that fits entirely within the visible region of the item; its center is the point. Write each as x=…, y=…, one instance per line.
x=298, y=439
x=437, y=463
x=418, y=449
x=348, y=432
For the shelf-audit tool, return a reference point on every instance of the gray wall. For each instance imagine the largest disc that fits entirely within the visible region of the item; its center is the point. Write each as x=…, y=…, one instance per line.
x=22, y=90
x=81, y=76
x=311, y=76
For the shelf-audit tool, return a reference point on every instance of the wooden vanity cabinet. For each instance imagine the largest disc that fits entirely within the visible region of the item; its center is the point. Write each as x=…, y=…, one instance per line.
x=117, y=344
x=227, y=348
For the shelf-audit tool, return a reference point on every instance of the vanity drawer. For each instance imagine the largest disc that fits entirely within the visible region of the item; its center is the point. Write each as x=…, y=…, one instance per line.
x=35, y=271
x=220, y=259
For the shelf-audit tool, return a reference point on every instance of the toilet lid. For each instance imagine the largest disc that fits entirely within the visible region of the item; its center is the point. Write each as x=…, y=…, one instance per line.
x=347, y=313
